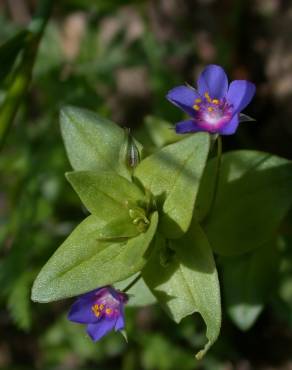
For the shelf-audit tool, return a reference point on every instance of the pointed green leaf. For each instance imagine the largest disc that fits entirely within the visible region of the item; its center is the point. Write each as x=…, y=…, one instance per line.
x=189, y=282
x=108, y=195
x=92, y=142
x=254, y=195
x=173, y=175
x=83, y=263
x=248, y=282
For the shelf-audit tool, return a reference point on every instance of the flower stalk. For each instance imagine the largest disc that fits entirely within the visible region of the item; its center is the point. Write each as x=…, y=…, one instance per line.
x=216, y=175
x=132, y=283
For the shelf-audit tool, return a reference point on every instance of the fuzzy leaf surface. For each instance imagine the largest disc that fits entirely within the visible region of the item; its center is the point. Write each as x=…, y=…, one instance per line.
x=83, y=263
x=188, y=283
x=254, y=195
x=173, y=175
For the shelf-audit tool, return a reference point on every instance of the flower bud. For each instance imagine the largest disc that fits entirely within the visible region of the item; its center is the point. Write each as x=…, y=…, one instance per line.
x=130, y=152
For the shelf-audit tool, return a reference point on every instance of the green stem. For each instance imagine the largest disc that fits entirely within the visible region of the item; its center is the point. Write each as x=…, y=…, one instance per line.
x=217, y=176
x=22, y=75
x=128, y=287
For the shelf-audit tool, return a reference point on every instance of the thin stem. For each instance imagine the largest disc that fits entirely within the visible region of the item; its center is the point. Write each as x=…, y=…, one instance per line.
x=22, y=75
x=128, y=287
x=217, y=176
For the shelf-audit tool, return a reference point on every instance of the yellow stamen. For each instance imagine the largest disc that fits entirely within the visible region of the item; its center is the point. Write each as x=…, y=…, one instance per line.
x=207, y=96
x=96, y=310
x=108, y=311
x=215, y=101
x=101, y=307
x=198, y=101
x=196, y=107
x=210, y=109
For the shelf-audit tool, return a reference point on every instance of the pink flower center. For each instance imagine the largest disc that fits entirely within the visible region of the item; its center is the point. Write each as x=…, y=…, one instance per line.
x=212, y=114
x=106, y=306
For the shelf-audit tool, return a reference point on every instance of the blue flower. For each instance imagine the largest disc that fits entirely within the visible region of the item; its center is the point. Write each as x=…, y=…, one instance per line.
x=101, y=309
x=215, y=107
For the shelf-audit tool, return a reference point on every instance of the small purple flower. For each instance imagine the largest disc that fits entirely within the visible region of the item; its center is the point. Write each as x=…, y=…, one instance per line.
x=101, y=309
x=215, y=107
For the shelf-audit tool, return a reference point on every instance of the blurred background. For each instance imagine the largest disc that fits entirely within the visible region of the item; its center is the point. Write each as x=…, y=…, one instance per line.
x=120, y=58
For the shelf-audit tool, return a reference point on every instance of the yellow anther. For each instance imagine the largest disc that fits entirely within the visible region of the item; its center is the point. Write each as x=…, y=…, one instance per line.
x=215, y=101
x=198, y=101
x=101, y=307
x=96, y=310
x=196, y=107
x=207, y=96
x=210, y=109
x=108, y=311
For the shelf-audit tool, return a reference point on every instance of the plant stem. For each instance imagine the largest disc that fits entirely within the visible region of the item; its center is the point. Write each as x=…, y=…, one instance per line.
x=22, y=75
x=133, y=282
x=217, y=176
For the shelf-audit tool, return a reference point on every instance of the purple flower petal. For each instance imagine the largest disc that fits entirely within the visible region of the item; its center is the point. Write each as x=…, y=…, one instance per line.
x=99, y=329
x=230, y=127
x=213, y=80
x=240, y=94
x=120, y=323
x=184, y=97
x=81, y=311
x=184, y=127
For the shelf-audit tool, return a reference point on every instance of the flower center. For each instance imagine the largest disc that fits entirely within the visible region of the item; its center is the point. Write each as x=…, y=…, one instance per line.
x=212, y=113
x=108, y=307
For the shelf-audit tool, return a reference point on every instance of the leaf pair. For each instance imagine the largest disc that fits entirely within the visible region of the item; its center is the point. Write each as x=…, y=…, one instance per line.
x=94, y=148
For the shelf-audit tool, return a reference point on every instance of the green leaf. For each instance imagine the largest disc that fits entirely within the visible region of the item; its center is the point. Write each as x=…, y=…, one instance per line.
x=189, y=282
x=83, y=263
x=161, y=132
x=173, y=175
x=109, y=197
x=92, y=142
x=248, y=282
x=139, y=295
x=9, y=52
x=254, y=195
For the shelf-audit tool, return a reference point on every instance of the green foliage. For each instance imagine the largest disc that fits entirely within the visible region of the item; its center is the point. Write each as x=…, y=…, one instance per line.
x=254, y=195
x=83, y=262
x=19, y=302
x=113, y=243
x=188, y=283
x=39, y=210
x=248, y=283
x=92, y=142
x=9, y=51
x=109, y=197
x=140, y=295
x=161, y=132
x=173, y=175
x=99, y=253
